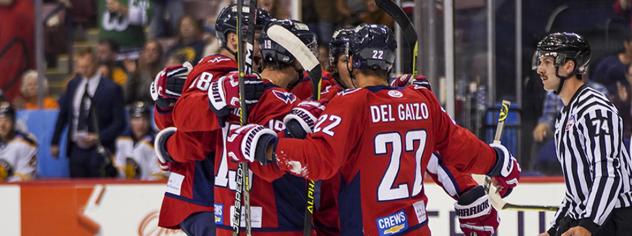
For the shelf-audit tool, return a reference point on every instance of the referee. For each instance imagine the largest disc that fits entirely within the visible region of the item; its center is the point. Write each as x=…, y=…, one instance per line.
x=589, y=144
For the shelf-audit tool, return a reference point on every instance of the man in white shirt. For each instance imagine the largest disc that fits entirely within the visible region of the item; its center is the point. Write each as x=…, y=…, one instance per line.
x=92, y=109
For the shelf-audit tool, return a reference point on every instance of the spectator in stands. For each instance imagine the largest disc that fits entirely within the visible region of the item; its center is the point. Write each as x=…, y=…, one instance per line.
x=17, y=149
x=212, y=45
x=173, y=9
x=135, y=156
x=623, y=102
x=350, y=9
x=107, y=51
x=109, y=66
x=276, y=8
x=175, y=59
x=375, y=15
x=150, y=63
x=122, y=21
x=328, y=16
x=29, y=90
x=612, y=68
x=623, y=8
x=189, y=43
x=92, y=109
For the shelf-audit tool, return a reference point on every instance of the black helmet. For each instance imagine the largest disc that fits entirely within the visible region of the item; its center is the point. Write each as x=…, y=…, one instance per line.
x=7, y=110
x=339, y=44
x=139, y=109
x=271, y=52
x=227, y=21
x=373, y=47
x=564, y=46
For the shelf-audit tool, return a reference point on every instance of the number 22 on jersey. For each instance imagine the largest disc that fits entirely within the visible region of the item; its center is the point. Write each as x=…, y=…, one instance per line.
x=386, y=190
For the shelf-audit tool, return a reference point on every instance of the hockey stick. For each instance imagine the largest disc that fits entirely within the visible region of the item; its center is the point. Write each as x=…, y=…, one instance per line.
x=408, y=30
x=494, y=197
x=501, y=204
x=504, y=112
x=308, y=60
x=245, y=54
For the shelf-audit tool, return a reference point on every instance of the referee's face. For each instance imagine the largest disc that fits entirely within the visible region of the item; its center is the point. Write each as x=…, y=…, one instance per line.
x=546, y=71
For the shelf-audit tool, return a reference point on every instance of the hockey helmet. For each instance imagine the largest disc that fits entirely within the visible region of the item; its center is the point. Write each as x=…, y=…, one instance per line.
x=373, y=47
x=271, y=52
x=139, y=109
x=563, y=46
x=7, y=110
x=227, y=21
x=339, y=44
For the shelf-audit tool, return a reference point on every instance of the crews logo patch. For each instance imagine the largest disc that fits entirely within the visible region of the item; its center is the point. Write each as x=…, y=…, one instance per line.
x=392, y=224
x=284, y=96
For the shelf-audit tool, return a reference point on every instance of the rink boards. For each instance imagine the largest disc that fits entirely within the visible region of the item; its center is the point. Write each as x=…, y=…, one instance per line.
x=131, y=208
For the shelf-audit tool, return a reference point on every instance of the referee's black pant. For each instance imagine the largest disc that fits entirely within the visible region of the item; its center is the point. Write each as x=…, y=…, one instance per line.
x=618, y=224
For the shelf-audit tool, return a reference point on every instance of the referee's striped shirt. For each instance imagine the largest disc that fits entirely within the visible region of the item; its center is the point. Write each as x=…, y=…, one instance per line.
x=595, y=163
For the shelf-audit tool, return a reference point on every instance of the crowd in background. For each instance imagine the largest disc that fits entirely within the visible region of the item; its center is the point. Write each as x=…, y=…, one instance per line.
x=137, y=38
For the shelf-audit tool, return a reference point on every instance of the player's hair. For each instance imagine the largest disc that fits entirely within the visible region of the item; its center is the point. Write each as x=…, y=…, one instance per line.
x=275, y=65
x=377, y=72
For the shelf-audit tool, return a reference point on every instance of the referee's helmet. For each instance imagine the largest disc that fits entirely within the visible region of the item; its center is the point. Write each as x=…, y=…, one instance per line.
x=563, y=46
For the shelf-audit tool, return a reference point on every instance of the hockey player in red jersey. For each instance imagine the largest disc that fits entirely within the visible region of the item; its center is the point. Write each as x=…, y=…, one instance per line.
x=277, y=198
x=453, y=182
x=380, y=139
x=187, y=149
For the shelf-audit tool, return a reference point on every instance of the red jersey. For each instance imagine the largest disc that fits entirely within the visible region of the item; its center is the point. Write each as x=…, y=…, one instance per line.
x=326, y=215
x=277, y=198
x=380, y=140
x=190, y=185
x=303, y=88
x=196, y=123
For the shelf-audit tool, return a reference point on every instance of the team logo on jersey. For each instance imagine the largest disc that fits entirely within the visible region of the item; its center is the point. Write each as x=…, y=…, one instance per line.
x=219, y=213
x=570, y=123
x=392, y=224
x=6, y=170
x=326, y=90
x=348, y=91
x=132, y=169
x=284, y=96
x=218, y=59
x=395, y=94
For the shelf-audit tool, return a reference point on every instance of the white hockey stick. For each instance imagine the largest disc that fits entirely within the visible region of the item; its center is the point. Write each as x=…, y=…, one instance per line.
x=294, y=45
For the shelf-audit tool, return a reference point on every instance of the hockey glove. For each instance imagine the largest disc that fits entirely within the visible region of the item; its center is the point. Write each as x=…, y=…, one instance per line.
x=302, y=119
x=250, y=143
x=223, y=94
x=506, y=172
x=406, y=79
x=160, y=146
x=421, y=81
x=167, y=86
x=476, y=215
